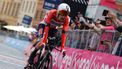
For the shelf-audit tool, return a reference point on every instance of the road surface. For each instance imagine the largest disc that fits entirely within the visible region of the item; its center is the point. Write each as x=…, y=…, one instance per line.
x=10, y=58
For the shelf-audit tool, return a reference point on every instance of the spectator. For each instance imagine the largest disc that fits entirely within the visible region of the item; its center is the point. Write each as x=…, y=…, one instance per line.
x=108, y=25
x=72, y=26
x=105, y=35
x=118, y=24
x=76, y=20
x=97, y=24
x=80, y=26
x=82, y=19
x=114, y=18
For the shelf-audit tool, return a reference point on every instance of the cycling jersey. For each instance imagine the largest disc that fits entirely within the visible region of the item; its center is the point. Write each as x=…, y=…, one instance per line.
x=51, y=22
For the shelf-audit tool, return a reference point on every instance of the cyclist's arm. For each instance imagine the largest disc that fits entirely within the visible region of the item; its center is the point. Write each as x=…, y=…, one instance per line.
x=108, y=28
x=47, y=20
x=118, y=21
x=64, y=30
x=45, y=35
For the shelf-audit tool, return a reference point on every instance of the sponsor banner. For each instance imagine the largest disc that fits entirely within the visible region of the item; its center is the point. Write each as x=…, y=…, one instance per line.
x=109, y=3
x=27, y=19
x=83, y=59
x=51, y=4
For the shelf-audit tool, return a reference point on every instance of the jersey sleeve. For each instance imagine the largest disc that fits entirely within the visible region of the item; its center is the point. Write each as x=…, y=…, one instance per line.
x=63, y=36
x=49, y=17
x=47, y=20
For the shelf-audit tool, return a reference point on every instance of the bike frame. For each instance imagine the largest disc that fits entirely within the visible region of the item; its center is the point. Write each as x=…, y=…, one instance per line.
x=45, y=56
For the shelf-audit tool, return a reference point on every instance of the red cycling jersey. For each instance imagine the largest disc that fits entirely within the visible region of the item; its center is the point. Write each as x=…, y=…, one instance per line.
x=52, y=20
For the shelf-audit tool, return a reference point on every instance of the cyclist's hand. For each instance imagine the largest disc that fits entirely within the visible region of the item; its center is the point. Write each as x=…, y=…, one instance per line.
x=63, y=52
x=40, y=45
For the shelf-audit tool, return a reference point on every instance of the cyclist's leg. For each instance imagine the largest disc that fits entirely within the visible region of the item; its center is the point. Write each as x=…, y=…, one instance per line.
x=30, y=60
x=30, y=48
x=33, y=53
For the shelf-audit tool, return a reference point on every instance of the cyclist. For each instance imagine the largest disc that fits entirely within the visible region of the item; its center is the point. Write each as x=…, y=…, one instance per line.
x=53, y=20
x=34, y=38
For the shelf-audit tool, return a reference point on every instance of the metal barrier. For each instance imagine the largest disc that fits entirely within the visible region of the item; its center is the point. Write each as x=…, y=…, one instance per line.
x=89, y=39
x=82, y=39
x=14, y=34
x=10, y=39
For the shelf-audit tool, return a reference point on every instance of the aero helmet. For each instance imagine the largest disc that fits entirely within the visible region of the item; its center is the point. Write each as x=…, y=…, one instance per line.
x=63, y=9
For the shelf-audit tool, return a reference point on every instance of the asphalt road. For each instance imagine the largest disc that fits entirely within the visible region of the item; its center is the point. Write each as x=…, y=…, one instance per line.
x=10, y=58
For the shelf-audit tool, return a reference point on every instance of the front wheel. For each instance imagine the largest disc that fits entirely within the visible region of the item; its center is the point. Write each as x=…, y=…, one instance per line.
x=46, y=62
x=50, y=62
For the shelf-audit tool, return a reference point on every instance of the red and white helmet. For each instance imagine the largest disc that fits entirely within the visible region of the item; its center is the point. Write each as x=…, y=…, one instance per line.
x=63, y=9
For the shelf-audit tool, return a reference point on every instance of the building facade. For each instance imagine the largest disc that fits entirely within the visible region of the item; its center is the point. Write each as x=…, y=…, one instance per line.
x=21, y=12
x=9, y=11
x=39, y=13
x=27, y=12
x=98, y=6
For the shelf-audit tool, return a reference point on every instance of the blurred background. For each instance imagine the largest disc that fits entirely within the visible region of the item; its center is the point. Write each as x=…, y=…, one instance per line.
x=26, y=14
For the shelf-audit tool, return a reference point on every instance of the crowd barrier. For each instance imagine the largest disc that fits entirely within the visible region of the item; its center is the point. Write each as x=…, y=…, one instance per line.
x=82, y=39
x=85, y=59
x=105, y=41
x=79, y=57
x=16, y=41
